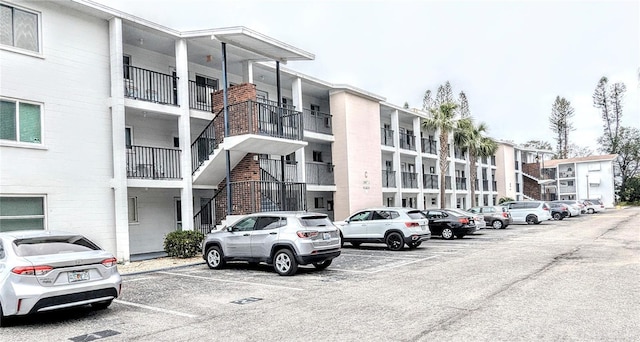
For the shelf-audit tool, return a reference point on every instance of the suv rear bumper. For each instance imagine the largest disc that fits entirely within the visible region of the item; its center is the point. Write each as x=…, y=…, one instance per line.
x=417, y=238
x=318, y=257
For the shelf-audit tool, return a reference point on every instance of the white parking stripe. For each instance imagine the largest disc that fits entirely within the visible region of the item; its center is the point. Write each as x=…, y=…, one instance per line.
x=136, y=279
x=403, y=264
x=231, y=281
x=155, y=309
x=377, y=256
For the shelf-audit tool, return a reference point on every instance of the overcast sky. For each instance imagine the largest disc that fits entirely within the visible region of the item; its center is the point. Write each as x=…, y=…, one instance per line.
x=511, y=58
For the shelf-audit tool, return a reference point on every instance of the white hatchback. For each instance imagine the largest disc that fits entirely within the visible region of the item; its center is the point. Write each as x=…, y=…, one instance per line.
x=530, y=212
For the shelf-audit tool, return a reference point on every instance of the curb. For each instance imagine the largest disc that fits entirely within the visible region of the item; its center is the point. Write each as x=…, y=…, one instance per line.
x=162, y=269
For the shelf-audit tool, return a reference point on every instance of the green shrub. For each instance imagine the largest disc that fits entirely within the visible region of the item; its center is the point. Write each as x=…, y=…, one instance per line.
x=183, y=243
x=504, y=199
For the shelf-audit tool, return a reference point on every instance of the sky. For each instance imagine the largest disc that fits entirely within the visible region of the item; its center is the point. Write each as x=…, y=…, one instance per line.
x=511, y=58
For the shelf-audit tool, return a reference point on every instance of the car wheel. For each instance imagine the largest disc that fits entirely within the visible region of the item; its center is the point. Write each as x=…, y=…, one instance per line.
x=101, y=305
x=2, y=321
x=557, y=216
x=394, y=241
x=285, y=263
x=341, y=240
x=531, y=219
x=415, y=245
x=355, y=244
x=591, y=211
x=497, y=224
x=447, y=234
x=215, y=258
x=322, y=265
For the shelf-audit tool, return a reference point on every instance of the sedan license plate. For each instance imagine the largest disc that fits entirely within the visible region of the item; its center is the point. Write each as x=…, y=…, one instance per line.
x=326, y=236
x=78, y=276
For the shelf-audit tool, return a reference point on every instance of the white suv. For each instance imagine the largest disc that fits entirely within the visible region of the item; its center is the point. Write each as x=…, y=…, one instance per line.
x=530, y=212
x=393, y=226
x=284, y=239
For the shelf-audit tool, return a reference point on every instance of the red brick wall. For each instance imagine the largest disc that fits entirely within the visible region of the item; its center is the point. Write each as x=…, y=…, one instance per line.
x=531, y=169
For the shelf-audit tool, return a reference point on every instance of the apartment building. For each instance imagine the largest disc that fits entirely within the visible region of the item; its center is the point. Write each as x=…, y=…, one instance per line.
x=125, y=130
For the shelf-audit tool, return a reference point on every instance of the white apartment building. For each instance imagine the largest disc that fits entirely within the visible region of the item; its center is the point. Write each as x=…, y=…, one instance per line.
x=114, y=127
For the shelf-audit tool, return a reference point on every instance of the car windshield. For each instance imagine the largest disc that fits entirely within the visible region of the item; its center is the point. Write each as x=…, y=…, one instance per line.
x=416, y=215
x=315, y=221
x=52, y=245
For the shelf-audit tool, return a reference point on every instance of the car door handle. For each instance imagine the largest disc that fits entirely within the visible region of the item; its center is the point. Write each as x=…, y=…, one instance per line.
x=273, y=233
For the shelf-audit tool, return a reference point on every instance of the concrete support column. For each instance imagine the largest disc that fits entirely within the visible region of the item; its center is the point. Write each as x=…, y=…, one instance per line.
x=296, y=90
x=119, y=181
x=418, y=162
x=247, y=72
x=184, y=131
x=395, y=126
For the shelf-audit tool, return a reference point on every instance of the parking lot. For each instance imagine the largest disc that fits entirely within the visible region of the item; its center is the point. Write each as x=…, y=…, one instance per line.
x=433, y=292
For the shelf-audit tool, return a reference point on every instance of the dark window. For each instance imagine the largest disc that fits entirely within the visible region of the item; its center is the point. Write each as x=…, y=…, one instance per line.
x=176, y=142
x=319, y=202
x=53, y=245
x=316, y=221
x=245, y=224
x=361, y=216
x=317, y=156
x=126, y=61
x=267, y=222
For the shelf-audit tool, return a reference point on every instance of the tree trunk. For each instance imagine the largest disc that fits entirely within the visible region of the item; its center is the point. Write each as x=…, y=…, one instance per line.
x=473, y=174
x=444, y=152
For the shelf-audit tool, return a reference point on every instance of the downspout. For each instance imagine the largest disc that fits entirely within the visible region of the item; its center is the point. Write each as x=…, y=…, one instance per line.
x=280, y=132
x=225, y=103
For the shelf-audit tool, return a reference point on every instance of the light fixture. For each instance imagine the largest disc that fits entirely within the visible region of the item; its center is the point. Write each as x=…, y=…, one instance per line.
x=209, y=58
x=141, y=41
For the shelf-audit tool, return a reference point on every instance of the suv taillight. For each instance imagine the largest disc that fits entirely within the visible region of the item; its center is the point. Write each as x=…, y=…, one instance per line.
x=464, y=220
x=307, y=234
x=412, y=224
x=109, y=262
x=32, y=270
x=505, y=215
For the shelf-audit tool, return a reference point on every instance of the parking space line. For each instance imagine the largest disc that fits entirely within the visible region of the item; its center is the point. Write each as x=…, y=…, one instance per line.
x=177, y=313
x=403, y=264
x=136, y=279
x=231, y=281
x=379, y=256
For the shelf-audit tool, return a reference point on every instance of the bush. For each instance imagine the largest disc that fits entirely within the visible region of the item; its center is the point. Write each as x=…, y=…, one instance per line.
x=183, y=243
x=504, y=199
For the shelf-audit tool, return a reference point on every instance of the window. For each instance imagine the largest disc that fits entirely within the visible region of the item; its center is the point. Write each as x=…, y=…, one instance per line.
x=19, y=28
x=245, y=224
x=132, y=204
x=317, y=156
x=126, y=61
x=267, y=222
x=361, y=216
x=319, y=202
x=20, y=121
x=128, y=137
x=315, y=109
x=176, y=142
x=205, y=85
x=21, y=213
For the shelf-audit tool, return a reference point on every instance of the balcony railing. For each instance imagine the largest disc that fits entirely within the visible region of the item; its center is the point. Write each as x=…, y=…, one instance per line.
x=493, y=160
x=567, y=174
x=407, y=141
x=430, y=181
x=272, y=170
x=315, y=121
x=200, y=96
x=153, y=162
x=461, y=183
x=151, y=86
x=388, y=179
x=548, y=173
x=319, y=173
x=485, y=185
x=458, y=154
x=567, y=189
x=495, y=185
x=386, y=135
x=409, y=180
x=447, y=182
x=429, y=146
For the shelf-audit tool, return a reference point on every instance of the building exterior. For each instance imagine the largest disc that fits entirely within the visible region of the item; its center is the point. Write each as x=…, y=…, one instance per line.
x=115, y=127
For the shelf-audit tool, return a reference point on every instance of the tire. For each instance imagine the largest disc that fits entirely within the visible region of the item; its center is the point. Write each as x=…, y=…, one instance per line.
x=394, y=241
x=531, y=219
x=447, y=234
x=341, y=240
x=215, y=258
x=497, y=224
x=355, y=244
x=591, y=211
x=557, y=216
x=415, y=245
x=285, y=263
x=322, y=265
x=3, y=322
x=101, y=305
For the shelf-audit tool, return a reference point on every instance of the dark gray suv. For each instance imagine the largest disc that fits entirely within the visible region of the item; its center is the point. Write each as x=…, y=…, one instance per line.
x=283, y=239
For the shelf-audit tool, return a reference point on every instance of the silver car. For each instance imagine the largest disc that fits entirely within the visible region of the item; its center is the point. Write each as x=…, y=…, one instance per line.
x=392, y=226
x=47, y=270
x=284, y=239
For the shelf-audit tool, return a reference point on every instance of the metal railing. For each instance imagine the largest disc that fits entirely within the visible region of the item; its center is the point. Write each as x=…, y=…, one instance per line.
x=272, y=170
x=200, y=96
x=567, y=174
x=153, y=162
x=409, y=180
x=430, y=181
x=205, y=144
x=485, y=185
x=567, y=189
x=461, y=183
x=447, y=182
x=205, y=219
x=429, y=146
x=151, y=86
x=319, y=173
x=315, y=121
x=388, y=179
x=386, y=136
x=458, y=154
x=407, y=141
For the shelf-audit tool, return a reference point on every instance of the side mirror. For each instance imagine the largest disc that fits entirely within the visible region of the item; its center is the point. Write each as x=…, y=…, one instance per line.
x=229, y=229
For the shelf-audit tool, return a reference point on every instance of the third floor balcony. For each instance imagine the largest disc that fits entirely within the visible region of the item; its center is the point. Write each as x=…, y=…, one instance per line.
x=409, y=180
x=429, y=146
x=386, y=136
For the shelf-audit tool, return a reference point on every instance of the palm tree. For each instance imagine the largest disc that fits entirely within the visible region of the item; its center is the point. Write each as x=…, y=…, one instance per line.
x=442, y=118
x=470, y=138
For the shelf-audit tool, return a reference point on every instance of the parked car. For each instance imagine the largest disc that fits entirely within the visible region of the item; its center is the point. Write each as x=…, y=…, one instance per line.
x=449, y=223
x=593, y=206
x=392, y=226
x=478, y=219
x=495, y=216
x=44, y=270
x=559, y=210
x=530, y=212
x=283, y=239
x=575, y=207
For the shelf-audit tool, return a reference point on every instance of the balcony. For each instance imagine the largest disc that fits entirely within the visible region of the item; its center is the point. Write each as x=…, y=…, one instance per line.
x=271, y=170
x=318, y=122
x=146, y=85
x=447, y=182
x=386, y=137
x=429, y=146
x=388, y=179
x=430, y=181
x=409, y=180
x=494, y=184
x=461, y=183
x=319, y=173
x=200, y=96
x=567, y=189
x=407, y=141
x=145, y=162
x=567, y=174
x=485, y=185
x=458, y=154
